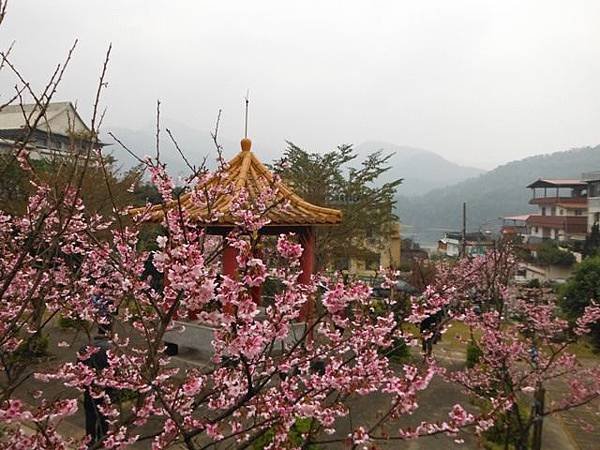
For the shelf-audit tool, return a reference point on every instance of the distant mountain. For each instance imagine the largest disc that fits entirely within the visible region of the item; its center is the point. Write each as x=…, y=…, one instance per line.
x=491, y=195
x=422, y=170
x=194, y=144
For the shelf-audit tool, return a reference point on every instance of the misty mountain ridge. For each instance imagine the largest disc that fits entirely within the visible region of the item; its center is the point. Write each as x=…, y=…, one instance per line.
x=195, y=145
x=499, y=192
x=422, y=170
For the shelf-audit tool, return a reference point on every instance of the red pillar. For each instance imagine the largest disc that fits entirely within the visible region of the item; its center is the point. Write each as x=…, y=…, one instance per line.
x=256, y=291
x=229, y=263
x=229, y=260
x=307, y=264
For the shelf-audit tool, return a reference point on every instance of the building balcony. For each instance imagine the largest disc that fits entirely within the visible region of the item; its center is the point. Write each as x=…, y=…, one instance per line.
x=568, y=224
x=568, y=202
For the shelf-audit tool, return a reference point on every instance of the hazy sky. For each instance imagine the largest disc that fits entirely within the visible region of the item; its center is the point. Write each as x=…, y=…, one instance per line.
x=480, y=82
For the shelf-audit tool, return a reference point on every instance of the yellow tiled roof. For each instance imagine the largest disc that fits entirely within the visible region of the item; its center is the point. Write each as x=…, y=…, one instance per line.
x=246, y=171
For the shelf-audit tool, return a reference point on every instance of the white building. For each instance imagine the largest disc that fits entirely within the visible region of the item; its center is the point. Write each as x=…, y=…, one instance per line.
x=562, y=210
x=60, y=129
x=593, y=198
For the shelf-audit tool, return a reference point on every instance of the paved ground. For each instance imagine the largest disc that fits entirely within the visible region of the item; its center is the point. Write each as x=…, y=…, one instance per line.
x=560, y=433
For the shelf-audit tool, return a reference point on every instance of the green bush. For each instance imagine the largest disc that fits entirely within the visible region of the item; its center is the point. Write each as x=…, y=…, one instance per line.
x=580, y=290
x=36, y=346
x=549, y=253
x=474, y=354
x=69, y=323
x=301, y=426
x=495, y=437
x=399, y=351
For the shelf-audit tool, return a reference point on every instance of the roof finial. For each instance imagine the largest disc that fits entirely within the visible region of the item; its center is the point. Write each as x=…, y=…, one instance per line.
x=247, y=98
x=246, y=143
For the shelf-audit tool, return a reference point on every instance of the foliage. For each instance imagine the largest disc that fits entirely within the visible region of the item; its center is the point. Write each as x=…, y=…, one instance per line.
x=35, y=346
x=549, y=253
x=503, y=431
x=592, y=241
x=68, y=251
x=518, y=355
x=69, y=260
x=331, y=180
x=73, y=323
x=301, y=427
x=580, y=291
x=474, y=354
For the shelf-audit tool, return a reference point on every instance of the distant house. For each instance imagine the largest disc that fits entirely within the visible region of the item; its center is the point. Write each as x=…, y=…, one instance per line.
x=527, y=272
x=514, y=227
x=593, y=198
x=61, y=129
x=379, y=252
x=475, y=244
x=562, y=210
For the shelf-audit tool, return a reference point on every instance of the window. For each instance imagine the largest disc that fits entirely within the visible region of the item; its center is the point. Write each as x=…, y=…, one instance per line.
x=561, y=211
x=579, y=212
x=543, y=211
x=594, y=189
x=372, y=262
x=553, y=211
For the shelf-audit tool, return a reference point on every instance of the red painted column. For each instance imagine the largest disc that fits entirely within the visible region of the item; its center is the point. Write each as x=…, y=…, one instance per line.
x=307, y=264
x=229, y=267
x=256, y=291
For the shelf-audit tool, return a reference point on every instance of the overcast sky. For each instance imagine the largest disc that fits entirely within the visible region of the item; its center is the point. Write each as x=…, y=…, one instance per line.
x=480, y=82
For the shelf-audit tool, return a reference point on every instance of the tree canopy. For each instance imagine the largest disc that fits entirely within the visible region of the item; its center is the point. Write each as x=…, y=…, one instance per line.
x=334, y=179
x=580, y=290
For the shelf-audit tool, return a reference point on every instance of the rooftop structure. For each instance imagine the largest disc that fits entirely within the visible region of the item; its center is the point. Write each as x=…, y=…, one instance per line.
x=245, y=171
x=59, y=129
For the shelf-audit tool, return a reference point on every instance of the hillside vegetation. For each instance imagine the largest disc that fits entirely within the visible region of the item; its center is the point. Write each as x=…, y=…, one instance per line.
x=496, y=193
x=422, y=170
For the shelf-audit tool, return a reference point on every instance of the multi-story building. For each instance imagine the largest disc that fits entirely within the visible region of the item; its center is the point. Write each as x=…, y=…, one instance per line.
x=379, y=252
x=61, y=129
x=593, y=198
x=562, y=211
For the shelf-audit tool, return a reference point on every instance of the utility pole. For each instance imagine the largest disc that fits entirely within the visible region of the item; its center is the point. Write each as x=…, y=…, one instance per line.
x=537, y=409
x=463, y=251
x=538, y=417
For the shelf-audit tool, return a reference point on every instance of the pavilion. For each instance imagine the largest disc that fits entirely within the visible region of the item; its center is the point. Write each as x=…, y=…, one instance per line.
x=290, y=212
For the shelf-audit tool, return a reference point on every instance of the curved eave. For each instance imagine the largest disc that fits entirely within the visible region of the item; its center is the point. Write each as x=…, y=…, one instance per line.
x=246, y=171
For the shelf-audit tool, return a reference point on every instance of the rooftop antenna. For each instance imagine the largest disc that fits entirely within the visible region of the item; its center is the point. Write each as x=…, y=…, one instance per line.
x=247, y=98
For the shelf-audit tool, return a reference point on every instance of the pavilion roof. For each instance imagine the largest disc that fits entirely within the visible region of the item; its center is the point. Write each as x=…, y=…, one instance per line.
x=246, y=171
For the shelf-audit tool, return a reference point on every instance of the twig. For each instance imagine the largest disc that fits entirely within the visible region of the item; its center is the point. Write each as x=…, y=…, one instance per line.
x=124, y=147
x=215, y=138
x=157, y=130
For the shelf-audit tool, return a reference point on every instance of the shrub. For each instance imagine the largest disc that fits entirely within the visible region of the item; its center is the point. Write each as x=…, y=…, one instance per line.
x=580, y=290
x=399, y=351
x=34, y=347
x=67, y=323
x=474, y=354
x=549, y=253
